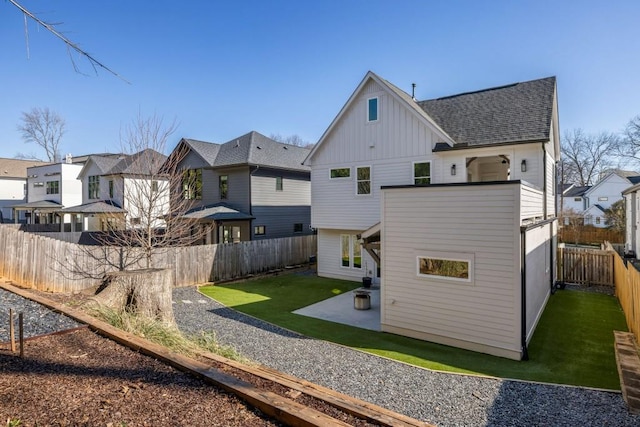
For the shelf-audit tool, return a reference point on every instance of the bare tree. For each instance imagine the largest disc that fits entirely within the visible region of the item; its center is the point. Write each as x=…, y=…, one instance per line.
x=143, y=182
x=151, y=187
x=586, y=156
x=45, y=128
x=292, y=140
x=630, y=146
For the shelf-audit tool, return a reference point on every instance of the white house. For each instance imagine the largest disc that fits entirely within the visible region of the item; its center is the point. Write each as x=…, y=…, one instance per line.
x=448, y=203
x=51, y=187
x=121, y=192
x=591, y=202
x=13, y=187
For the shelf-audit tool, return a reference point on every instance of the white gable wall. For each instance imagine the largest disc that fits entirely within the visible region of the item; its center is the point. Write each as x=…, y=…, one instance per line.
x=607, y=191
x=12, y=192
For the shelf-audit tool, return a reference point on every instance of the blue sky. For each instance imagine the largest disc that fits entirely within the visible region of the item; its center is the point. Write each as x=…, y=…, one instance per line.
x=222, y=69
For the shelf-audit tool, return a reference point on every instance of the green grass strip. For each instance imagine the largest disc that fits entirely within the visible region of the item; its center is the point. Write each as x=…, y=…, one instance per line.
x=573, y=343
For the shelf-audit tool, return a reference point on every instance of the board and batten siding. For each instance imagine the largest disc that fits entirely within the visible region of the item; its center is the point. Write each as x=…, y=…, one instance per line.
x=330, y=264
x=396, y=134
x=480, y=222
x=389, y=146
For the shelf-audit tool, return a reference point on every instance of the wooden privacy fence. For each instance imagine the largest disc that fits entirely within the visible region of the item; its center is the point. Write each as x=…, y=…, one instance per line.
x=585, y=266
x=627, y=279
x=46, y=264
x=589, y=235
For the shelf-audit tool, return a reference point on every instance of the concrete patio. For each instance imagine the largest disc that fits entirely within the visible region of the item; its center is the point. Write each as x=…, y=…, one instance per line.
x=341, y=309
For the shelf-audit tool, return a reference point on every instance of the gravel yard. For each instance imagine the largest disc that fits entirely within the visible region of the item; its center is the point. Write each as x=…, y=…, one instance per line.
x=439, y=398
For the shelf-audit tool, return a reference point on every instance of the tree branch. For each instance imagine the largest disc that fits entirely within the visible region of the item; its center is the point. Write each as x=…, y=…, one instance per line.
x=51, y=28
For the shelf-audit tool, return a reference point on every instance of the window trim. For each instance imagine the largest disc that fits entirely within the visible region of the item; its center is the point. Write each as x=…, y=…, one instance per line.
x=377, y=109
x=93, y=187
x=353, y=239
x=279, y=183
x=340, y=177
x=413, y=171
x=224, y=196
x=469, y=258
x=50, y=187
x=255, y=230
x=370, y=180
x=191, y=191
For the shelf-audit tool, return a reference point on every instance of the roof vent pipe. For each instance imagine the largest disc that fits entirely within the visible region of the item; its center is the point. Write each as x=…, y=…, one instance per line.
x=413, y=91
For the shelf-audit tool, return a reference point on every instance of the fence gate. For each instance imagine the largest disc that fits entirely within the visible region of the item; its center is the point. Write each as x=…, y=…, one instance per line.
x=585, y=266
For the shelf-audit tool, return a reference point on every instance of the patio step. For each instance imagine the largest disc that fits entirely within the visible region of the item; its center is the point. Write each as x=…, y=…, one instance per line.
x=628, y=361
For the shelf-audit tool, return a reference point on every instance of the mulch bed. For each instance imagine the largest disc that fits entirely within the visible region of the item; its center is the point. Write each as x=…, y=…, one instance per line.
x=81, y=379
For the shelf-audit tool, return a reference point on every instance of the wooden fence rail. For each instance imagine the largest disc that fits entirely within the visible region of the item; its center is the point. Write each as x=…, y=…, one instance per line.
x=47, y=264
x=627, y=280
x=589, y=235
x=585, y=266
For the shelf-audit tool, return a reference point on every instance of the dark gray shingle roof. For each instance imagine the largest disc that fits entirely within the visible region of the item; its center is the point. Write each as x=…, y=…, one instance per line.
x=217, y=212
x=577, y=191
x=252, y=148
x=143, y=162
x=520, y=112
x=101, y=206
x=207, y=150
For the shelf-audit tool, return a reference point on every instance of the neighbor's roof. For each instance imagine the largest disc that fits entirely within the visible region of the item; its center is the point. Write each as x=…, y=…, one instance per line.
x=252, y=148
x=101, y=206
x=217, y=212
x=577, y=191
x=207, y=150
x=140, y=163
x=17, y=168
x=519, y=112
x=40, y=204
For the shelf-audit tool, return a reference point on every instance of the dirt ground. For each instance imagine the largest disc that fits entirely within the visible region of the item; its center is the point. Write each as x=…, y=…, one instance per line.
x=81, y=379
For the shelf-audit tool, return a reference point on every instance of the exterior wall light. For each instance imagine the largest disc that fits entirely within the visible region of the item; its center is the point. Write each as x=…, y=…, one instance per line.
x=453, y=169
x=523, y=165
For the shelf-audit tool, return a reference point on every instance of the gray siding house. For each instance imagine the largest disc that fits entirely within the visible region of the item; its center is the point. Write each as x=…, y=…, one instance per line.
x=249, y=188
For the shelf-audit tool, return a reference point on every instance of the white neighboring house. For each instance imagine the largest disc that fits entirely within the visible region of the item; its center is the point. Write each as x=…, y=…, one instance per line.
x=50, y=188
x=592, y=202
x=444, y=202
x=121, y=192
x=13, y=187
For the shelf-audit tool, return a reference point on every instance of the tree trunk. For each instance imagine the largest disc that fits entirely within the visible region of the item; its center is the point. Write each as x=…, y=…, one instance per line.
x=143, y=292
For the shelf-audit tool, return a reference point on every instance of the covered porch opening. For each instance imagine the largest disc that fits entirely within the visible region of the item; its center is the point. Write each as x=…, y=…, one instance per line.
x=489, y=168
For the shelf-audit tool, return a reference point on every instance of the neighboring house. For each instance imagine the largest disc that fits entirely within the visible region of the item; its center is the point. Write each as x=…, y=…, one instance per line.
x=592, y=202
x=573, y=199
x=448, y=203
x=13, y=187
x=50, y=188
x=118, y=191
x=251, y=187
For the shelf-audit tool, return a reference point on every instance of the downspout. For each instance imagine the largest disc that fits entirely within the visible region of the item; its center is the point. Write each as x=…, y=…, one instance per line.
x=523, y=293
x=544, y=181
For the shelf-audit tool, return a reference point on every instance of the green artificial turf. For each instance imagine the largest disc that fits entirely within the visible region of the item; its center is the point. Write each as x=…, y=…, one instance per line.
x=573, y=343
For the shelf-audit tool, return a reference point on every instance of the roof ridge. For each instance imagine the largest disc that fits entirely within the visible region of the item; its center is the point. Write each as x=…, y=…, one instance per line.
x=489, y=89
